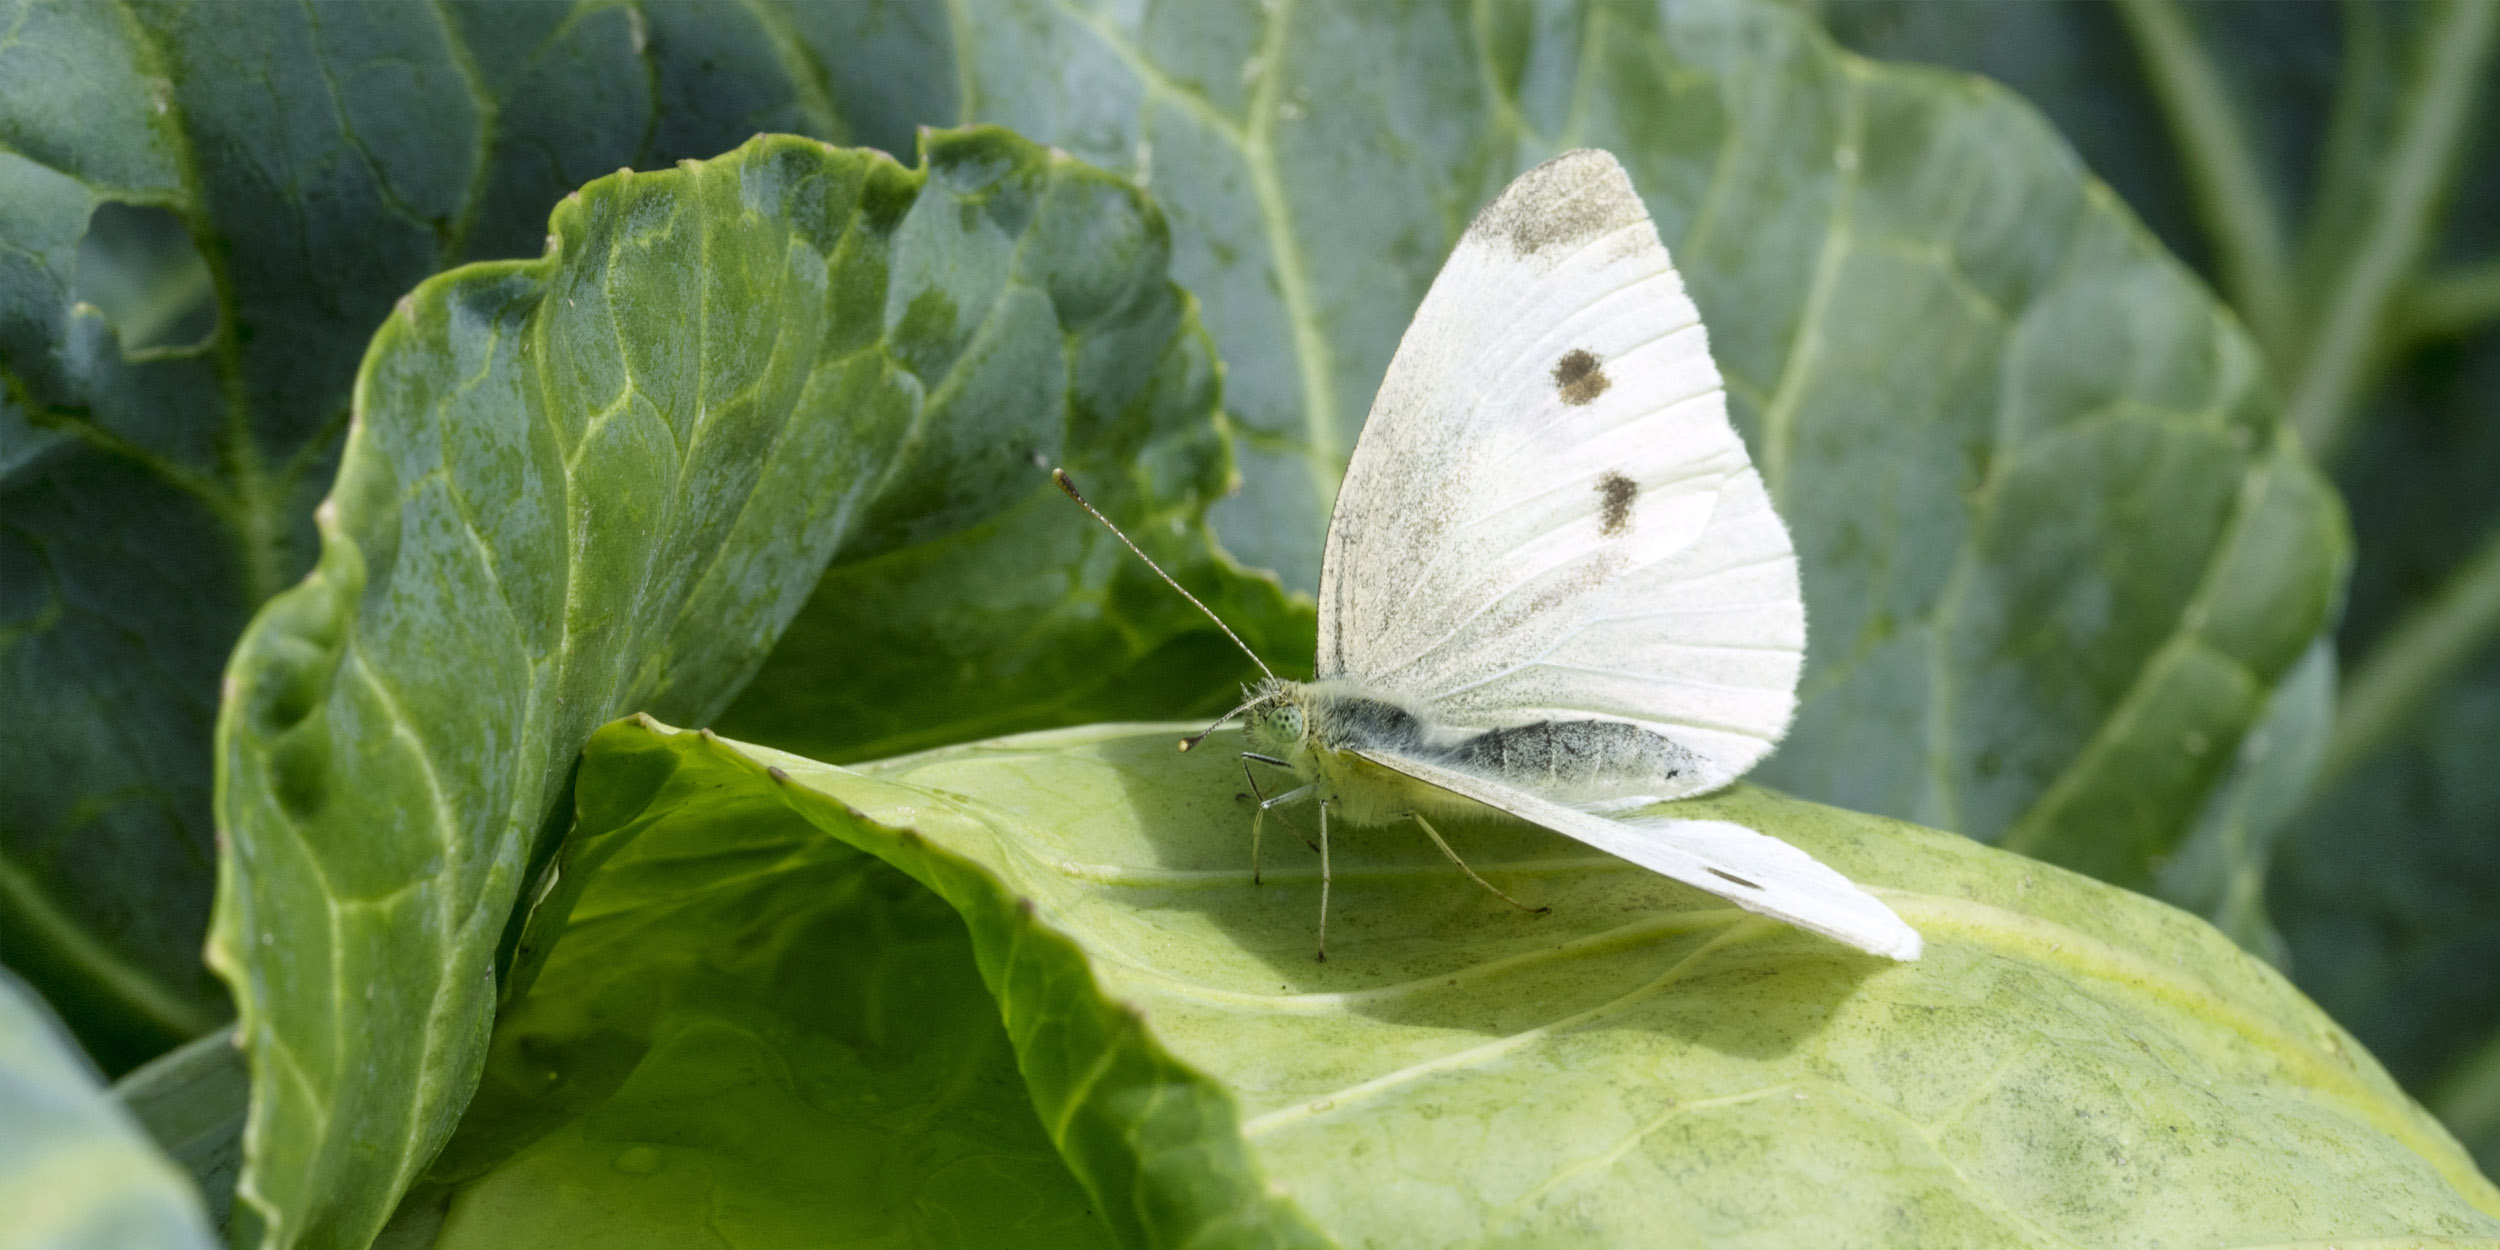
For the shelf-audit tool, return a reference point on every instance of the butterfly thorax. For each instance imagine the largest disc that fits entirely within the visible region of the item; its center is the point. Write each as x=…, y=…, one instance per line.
x=1325, y=729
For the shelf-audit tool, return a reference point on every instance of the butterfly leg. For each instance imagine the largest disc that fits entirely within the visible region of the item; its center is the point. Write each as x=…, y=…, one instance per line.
x=1250, y=757
x=1323, y=881
x=1258, y=816
x=1435, y=835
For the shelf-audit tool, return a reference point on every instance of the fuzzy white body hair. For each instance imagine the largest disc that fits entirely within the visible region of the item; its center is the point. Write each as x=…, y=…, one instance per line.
x=1324, y=730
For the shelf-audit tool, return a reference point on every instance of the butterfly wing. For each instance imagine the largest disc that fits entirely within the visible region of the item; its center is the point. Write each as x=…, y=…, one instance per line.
x=1547, y=515
x=1752, y=870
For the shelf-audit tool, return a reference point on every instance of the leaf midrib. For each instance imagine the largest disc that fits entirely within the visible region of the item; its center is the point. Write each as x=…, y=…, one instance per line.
x=1324, y=445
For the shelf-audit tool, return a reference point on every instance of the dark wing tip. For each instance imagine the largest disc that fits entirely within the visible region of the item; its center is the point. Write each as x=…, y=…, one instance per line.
x=1574, y=197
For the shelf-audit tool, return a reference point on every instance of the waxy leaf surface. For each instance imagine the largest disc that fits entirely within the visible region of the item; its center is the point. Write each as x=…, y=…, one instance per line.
x=769, y=1038
x=2068, y=1064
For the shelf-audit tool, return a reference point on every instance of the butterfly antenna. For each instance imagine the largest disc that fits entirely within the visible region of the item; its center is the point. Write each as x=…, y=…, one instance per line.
x=1061, y=476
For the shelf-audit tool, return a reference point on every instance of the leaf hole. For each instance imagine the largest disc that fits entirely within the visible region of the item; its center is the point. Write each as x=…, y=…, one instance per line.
x=138, y=266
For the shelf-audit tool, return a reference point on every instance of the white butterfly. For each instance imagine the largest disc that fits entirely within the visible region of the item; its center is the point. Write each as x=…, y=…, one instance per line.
x=1554, y=583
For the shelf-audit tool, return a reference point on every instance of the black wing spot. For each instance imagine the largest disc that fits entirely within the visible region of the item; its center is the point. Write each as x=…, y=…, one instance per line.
x=1733, y=877
x=1615, y=494
x=1578, y=379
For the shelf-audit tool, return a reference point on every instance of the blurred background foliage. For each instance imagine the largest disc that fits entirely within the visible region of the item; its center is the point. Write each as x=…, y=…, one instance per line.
x=2334, y=171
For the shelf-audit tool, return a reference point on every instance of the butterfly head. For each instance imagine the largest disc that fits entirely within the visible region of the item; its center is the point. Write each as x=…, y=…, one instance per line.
x=1277, y=720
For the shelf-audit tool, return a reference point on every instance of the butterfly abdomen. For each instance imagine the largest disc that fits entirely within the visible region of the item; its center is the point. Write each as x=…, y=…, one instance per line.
x=1571, y=761
x=1576, y=758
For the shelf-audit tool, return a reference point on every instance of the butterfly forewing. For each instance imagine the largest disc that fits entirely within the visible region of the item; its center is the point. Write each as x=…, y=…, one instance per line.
x=1548, y=515
x=1548, y=518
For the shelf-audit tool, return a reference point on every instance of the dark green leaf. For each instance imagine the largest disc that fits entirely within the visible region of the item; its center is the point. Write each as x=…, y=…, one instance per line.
x=192, y=1100
x=270, y=176
x=2220, y=871
x=605, y=480
x=2467, y=1096
x=2068, y=1064
x=1035, y=616
x=2389, y=897
x=128, y=556
x=413, y=138
x=75, y=1172
x=1030, y=619
x=2389, y=890
x=2057, y=552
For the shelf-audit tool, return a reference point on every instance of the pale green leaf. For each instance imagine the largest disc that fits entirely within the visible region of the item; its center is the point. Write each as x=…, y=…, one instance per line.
x=763, y=1039
x=76, y=1173
x=2068, y=1064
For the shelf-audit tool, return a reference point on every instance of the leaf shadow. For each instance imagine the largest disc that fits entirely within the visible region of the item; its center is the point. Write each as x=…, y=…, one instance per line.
x=1411, y=942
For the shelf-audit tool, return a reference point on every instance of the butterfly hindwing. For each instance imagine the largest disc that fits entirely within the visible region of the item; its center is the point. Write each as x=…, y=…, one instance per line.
x=1548, y=515
x=1756, y=872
